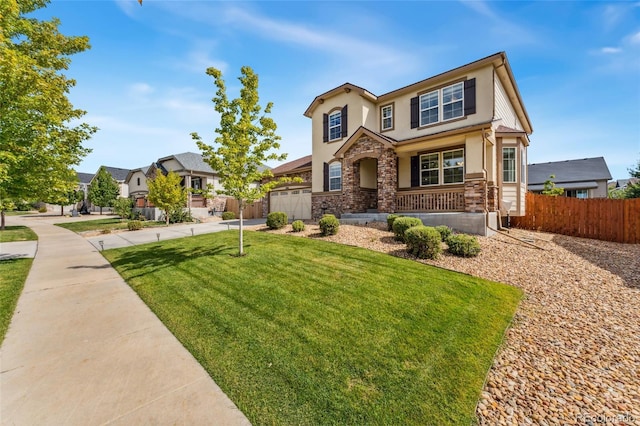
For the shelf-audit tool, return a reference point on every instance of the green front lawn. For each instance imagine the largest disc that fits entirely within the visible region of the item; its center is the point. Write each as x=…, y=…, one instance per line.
x=13, y=274
x=17, y=233
x=302, y=331
x=105, y=223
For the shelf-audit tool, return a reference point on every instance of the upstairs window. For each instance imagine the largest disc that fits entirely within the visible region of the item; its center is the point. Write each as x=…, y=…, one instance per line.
x=452, y=98
x=335, y=176
x=508, y=165
x=335, y=125
x=386, y=116
x=429, y=108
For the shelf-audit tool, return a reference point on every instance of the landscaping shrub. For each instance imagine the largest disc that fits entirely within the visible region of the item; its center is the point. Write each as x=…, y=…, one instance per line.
x=463, y=245
x=445, y=232
x=401, y=224
x=180, y=215
x=122, y=207
x=298, y=226
x=423, y=242
x=134, y=225
x=390, y=219
x=42, y=209
x=329, y=225
x=228, y=215
x=277, y=220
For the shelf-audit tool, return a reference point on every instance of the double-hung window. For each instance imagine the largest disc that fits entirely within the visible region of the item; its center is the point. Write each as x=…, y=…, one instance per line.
x=452, y=99
x=386, y=114
x=335, y=125
x=509, y=165
x=430, y=169
x=429, y=108
x=442, y=104
x=453, y=166
x=335, y=176
x=446, y=167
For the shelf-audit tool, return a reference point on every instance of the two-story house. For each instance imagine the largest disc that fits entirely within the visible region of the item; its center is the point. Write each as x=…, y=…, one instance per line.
x=451, y=149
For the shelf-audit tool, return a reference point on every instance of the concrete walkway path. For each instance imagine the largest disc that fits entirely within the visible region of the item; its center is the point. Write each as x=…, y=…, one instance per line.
x=83, y=349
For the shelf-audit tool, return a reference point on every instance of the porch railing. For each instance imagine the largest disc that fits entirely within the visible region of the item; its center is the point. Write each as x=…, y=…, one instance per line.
x=430, y=200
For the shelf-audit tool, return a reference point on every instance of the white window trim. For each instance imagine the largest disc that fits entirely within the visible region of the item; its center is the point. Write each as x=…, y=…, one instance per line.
x=335, y=165
x=440, y=106
x=338, y=126
x=441, y=168
x=382, y=117
x=515, y=164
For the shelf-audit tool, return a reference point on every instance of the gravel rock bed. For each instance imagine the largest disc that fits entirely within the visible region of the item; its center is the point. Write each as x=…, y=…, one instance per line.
x=572, y=354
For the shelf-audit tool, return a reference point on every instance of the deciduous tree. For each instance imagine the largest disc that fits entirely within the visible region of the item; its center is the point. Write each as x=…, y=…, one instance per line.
x=104, y=189
x=246, y=140
x=166, y=193
x=40, y=137
x=550, y=187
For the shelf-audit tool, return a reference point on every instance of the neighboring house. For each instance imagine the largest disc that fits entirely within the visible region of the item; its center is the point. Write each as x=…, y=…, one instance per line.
x=84, y=180
x=455, y=142
x=584, y=178
x=620, y=185
x=138, y=189
x=294, y=198
x=120, y=176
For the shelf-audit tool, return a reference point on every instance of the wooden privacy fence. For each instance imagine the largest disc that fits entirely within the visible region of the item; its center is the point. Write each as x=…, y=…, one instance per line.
x=252, y=211
x=597, y=218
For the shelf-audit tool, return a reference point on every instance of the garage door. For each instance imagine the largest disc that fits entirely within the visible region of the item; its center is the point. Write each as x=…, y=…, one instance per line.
x=296, y=203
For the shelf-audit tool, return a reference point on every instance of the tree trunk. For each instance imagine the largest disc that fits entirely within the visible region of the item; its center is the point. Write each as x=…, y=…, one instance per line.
x=61, y=210
x=100, y=210
x=241, y=208
x=2, y=220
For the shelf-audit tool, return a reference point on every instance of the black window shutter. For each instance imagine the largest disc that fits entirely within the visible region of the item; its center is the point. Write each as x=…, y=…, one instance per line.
x=414, y=113
x=470, y=96
x=326, y=177
x=325, y=127
x=344, y=121
x=415, y=171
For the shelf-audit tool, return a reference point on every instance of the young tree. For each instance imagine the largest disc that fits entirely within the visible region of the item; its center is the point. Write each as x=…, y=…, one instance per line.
x=104, y=189
x=550, y=187
x=246, y=140
x=122, y=206
x=166, y=193
x=39, y=131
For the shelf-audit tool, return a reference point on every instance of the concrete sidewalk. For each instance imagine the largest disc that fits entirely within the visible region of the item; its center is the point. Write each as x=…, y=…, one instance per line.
x=82, y=348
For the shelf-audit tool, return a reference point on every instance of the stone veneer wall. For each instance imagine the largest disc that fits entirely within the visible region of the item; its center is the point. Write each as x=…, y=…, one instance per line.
x=332, y=201
x=387, y=176
x=492, y=197
x=475, y=193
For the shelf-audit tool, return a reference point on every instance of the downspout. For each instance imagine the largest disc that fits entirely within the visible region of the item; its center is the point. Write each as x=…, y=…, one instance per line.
x=486, y=178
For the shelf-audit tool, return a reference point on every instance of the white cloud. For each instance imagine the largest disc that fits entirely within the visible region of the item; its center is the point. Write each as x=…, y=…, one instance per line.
x=505, y=29
x=140, y=89
x=128, y=7
x=610, y=50
x=634, y=38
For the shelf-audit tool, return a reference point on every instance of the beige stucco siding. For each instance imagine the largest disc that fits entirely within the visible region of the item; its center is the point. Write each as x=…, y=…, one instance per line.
x=402, y=108
x=359, y=111
x=368, y=173
x=133, y=183
x=504, y=109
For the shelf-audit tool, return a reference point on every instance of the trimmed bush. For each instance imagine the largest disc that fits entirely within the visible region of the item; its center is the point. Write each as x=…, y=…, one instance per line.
x=298, y=226
x=463, y=245
x=423, y=242
x=134, y=225
x=329, y=225
x=445, y=231
x=42, y=209
x=390, y=219
x=228, y=215
x=401, y=224
x=277, y=220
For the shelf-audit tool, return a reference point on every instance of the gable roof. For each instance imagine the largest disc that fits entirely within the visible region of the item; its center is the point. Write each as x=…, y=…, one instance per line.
x=583, y=170
x=142, y=170
x=85, y=177
x=384, y=140
x=190, y=161
x=117, y=173
x=498, y=60
x=300, y=163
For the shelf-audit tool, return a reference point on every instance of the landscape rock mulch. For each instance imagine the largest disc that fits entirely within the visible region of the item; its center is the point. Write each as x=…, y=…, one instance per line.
x=572, y=353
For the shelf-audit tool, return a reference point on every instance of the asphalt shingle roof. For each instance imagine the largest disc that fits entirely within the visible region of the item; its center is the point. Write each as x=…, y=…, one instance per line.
x=586, y=169
x=292, y=165
x=85, y=177
x=118, y=174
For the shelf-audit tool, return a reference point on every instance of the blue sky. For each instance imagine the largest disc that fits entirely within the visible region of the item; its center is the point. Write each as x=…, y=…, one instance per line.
x=143, y=83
